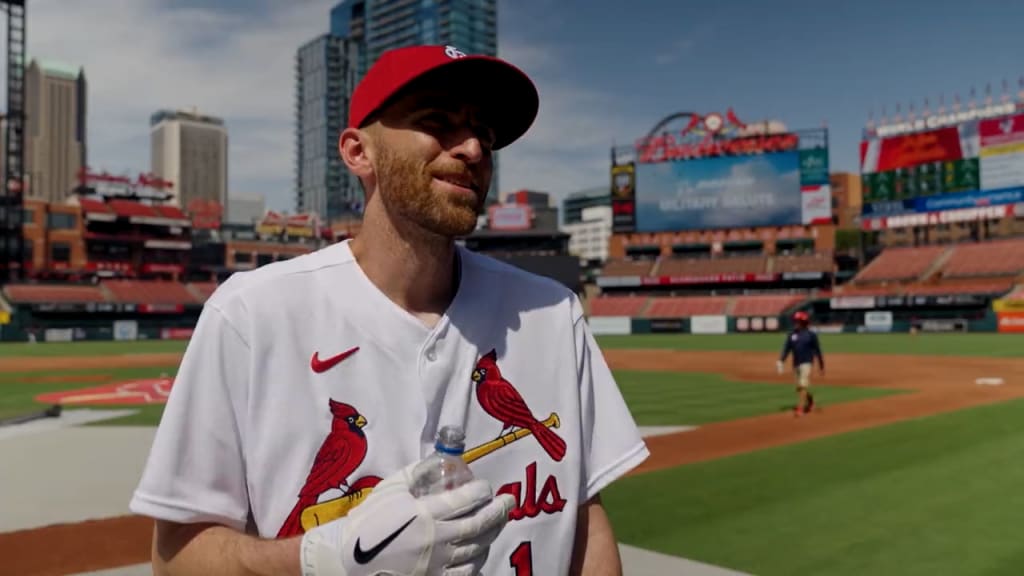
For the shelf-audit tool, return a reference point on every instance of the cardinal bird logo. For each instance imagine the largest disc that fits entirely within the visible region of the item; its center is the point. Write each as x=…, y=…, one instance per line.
x=340, y=454
x=502, y=401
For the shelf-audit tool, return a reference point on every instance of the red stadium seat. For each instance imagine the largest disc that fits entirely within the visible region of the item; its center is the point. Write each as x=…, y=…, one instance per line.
x=900, y=264
x=140, y=292
x=617, y=305
x=627, y=267
x=41, y=293
x=996, y=258
x=686, y=306
x=765, y=305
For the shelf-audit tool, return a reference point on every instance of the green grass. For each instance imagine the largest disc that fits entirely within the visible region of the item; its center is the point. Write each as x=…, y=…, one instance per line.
x=98, y=348
x=672, y=398
x=17, y=397
x=981, y=344
x=937, y=495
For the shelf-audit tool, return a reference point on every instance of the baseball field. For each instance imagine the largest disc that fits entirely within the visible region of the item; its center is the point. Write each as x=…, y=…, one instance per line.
x=912, y=463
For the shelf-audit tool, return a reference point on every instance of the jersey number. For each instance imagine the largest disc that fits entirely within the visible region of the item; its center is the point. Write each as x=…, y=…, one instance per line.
x=522, y=559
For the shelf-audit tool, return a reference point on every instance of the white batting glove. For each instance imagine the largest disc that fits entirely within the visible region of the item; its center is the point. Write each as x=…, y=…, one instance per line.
x=394, y=533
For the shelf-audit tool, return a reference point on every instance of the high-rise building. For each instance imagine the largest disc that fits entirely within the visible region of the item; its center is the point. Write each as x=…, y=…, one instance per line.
x=325, y=70
x=245, y=208
x=589, y=235
x=190, y=150
x=376, y=26
x=55, y=128
x=575, y=203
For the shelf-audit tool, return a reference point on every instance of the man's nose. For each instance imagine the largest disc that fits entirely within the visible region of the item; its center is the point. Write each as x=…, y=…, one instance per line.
x=468, y=147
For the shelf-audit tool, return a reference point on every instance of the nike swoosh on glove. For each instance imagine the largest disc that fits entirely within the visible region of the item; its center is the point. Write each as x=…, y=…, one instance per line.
x=394, y=533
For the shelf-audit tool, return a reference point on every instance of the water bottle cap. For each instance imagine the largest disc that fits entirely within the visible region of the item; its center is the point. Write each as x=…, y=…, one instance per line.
x=450, y=440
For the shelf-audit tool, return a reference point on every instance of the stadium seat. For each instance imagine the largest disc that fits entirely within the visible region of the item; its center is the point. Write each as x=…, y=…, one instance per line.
x=140, y=292
x=712, y=266
x=617, y=305
x=627, y=267
x=686, y=306
x=202, y=290
x=43, y=293
x=818, y=262
x=996, y=258
x=900, y=264
x=765, y=305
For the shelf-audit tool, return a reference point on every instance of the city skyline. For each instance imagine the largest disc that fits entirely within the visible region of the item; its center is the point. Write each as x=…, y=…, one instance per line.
x=604, y=77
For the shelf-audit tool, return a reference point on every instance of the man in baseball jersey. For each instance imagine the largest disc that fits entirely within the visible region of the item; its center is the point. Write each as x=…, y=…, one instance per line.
x=803, y=343
x=312, y=387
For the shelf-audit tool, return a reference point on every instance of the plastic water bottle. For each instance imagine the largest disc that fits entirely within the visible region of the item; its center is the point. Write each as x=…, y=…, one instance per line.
x=444, y=469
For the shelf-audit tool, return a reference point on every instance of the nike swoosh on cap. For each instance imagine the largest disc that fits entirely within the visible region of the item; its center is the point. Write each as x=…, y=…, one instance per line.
x=364, y=556
x=326, y=364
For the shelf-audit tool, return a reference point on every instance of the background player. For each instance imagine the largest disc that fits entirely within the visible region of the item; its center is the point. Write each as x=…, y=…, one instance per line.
x=804, y=345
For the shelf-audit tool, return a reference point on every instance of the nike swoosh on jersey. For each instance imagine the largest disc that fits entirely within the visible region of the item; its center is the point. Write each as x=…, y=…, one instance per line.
x=326, y=364
x=364, y=556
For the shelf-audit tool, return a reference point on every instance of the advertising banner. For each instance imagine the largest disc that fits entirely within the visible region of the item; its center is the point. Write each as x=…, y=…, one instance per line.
x=930, y=218
x=1004, y=305
x=942, y=145
x=814, y=167
x=816, y=204
x=1011, y=322
x=610, y=324
x=176, y=333
x=970, y=200
x=851, y=302
x=623, y=192
x=709, y=325
x=126, y=330
x=509, y=217
x=1002, y=152
x=720, y=192
x=709, y=279
x=878, y=321
x=666, y=325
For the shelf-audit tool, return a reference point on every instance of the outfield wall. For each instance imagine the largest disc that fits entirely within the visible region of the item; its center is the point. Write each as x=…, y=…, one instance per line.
x=111, y=322
x=861, y=321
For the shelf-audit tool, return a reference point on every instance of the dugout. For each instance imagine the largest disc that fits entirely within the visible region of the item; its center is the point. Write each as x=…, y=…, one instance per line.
x=66, y=322
x=901, y=312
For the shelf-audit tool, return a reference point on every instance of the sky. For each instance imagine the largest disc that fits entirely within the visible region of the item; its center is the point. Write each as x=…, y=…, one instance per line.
x=607, y=72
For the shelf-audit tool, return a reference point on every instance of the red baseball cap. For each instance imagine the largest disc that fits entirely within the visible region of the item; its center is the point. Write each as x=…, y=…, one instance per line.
x=801, y=316
x=510, y=99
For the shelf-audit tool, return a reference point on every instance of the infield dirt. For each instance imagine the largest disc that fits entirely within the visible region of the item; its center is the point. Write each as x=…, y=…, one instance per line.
x=933, y=385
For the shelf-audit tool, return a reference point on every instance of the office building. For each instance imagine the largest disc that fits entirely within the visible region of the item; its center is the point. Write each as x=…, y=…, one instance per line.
x=588, y=237
x=575, y=203
x=846, y=198
x=326, y=69
x=55, y=128
x=190, y=149
x=379, y=25
x=245, y=208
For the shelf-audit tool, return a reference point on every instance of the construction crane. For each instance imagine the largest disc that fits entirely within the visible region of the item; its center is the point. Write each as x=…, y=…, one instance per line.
x=12, y=245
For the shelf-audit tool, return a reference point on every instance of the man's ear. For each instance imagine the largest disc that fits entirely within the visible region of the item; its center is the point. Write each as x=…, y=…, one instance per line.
x=356, y=152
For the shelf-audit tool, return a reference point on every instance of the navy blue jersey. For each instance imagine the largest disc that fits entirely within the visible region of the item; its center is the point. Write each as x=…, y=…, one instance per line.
x=803, y=344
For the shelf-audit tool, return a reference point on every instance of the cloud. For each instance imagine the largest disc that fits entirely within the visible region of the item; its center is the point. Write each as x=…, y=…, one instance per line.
x=677, y=50
x=568, y=147
x=143, y=55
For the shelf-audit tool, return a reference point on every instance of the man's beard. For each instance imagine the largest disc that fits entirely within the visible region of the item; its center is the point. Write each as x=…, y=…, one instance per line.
x=405, y=187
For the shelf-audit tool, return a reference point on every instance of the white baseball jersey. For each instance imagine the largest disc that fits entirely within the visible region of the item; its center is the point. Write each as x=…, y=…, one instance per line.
x=303, y=384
